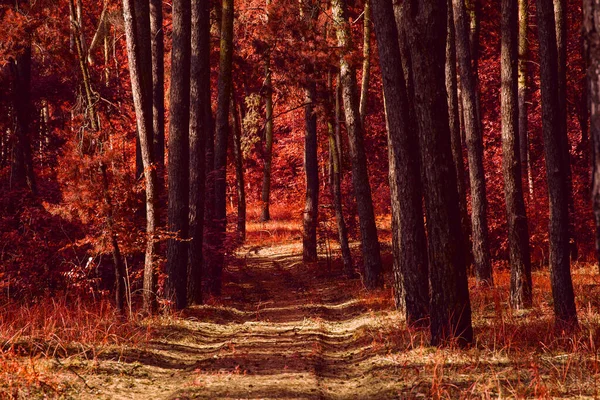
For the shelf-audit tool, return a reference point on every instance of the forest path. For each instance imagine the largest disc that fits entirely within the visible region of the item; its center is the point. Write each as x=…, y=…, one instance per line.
x=283, y=329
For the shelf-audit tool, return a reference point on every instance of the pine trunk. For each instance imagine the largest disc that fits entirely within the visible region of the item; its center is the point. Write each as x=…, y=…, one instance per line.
x=556, y=170
x=179, y=157
x=481, y=250
x=518, y=234
x=411, y=285
x=360, y=176
x=450, y=305
x=311, y=167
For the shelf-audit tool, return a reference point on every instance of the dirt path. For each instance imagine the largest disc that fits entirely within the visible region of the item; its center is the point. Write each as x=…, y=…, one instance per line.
x=283, y=330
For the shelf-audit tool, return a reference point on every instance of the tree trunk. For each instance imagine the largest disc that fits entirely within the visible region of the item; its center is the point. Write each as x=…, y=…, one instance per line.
x=518, y=234
x=266, y=186
x=120, y=272
x=335, y=179
x=311, y=167
x=158, y=85
x=239, y=169
x=179, y=156
x=366, y=67
x=199, y=126
x=450, y=304
x=522, y=88
x=411, y=284
x=481, y=249
x=22, y=173
x=137, y=31
x=360, y=176
x=455, y=131
x=556, y=170
x=221, y=138
x=591, y=30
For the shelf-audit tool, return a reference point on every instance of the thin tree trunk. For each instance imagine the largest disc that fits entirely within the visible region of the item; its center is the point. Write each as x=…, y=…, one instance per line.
x=179, y=156
x=158, y=85
x=22, y=173
x=335, y=181
x=360, y=177
x=239, y=170
x=518, y=234
x=311, y=167
x=137, y=32
x=411, y=283
x=481, y=249
x=266, y=185
x=591, y=30
x=455, y=135
x=556, y=170
x=522, y=88
x=199, y=126
x=366, y=67
x=450, y=305
x=221, y=138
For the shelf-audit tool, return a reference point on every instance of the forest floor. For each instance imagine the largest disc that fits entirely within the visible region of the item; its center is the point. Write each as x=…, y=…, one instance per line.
x=287, y=330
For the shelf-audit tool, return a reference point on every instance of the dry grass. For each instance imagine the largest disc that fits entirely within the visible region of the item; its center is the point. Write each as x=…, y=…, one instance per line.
x=284, y=329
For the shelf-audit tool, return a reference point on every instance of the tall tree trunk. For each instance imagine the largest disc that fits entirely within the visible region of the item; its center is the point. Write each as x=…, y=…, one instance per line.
x=199, y=126
x=473, y=8
x=455, y=131
x=522, y=88
x=158, y=85
x=518, y=234
x=221, y=138
x=311, y=167
x=137, y=31
x=335, y=180
x=481, y=249
x=179, y=156
x=360, y=176
x=591, y=30
x=560, y=19
x=120, y=272
x=411, y=284
x=366, y=67
x=22, y=173
x=450, y=305
x=266, y=186
x=556, y=170
x=239, y=169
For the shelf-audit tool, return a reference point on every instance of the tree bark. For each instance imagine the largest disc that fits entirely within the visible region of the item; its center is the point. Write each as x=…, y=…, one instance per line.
x=335, y=180
x=591, y=30
x=455, y=131
x=522, y=88
x=137, y=32
x=22, y=174
x=366, y=67
x=266, y=186
x=158, y=85
x=411, y=284
x=179, y=156
x=311, y=167
x=481, y=250
x=518, y=234
x=360, y=177
x=224, y=86
x=450, y=305
x=556, y=170
x=239, y=169
x=199, y=125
